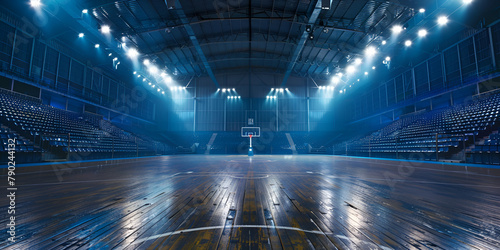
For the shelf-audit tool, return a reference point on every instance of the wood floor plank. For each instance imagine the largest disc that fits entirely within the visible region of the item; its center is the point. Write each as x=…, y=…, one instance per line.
x=268, y=202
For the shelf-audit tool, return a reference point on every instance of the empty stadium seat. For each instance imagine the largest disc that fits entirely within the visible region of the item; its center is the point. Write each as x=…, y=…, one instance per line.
x=42, y=128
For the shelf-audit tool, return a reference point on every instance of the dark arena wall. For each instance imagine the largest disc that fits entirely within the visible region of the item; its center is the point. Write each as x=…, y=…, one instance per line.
x=249, y=124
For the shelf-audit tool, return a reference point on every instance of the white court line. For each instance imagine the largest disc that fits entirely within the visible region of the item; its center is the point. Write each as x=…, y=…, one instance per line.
x=249, y=178
x=100, y=181
x=406, y=180
x=77, y=168
x=249, y=226
x=401, y=163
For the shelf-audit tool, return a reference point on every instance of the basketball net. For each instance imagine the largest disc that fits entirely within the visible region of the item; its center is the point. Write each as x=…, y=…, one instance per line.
x=250, y=140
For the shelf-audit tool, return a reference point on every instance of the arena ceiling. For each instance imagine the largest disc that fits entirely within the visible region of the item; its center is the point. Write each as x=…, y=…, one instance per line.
x=190, y=38
x=199, y=37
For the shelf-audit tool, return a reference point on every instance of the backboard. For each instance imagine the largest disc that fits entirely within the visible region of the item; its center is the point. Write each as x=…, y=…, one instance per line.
x=247, y=131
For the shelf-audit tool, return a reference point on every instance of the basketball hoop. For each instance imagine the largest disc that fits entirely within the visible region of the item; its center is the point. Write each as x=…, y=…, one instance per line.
x=250, y=132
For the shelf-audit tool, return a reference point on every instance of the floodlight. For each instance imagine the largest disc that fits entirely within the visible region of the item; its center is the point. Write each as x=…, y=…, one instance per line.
x=397, y=29
x=442, y=20
x=351, y=69
x=153, y=69
x=335, y=80
x=371, y=51
x=35, y=3
x=132, y=53
x=422, y=33
x=105, y=29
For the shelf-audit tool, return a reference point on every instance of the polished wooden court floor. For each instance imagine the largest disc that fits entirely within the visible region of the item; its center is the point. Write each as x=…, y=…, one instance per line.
x=264, y=202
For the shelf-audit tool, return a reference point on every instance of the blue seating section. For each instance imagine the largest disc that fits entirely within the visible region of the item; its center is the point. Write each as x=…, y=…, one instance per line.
x=22, y=145
x=42, y=128
x=486, y=151
x=449, y=132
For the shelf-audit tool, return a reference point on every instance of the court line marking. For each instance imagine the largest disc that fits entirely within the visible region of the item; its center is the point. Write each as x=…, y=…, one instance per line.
x=77, y=168
x=406, y=180
x=179, y=174
x=249, y=226
x=403, y=161
x=464, y=171
x=37, y=164
x=249, y=178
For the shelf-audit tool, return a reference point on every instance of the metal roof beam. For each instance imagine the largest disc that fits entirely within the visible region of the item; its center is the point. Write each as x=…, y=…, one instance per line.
x=194, y=40
x=303, y=39
x=162, y=25
x=90, y=24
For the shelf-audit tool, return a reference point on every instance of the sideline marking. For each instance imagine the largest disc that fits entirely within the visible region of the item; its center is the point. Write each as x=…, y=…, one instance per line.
x=248, y=226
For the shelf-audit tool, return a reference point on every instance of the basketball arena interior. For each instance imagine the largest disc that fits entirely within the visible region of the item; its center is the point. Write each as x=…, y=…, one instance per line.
x=250, y=124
